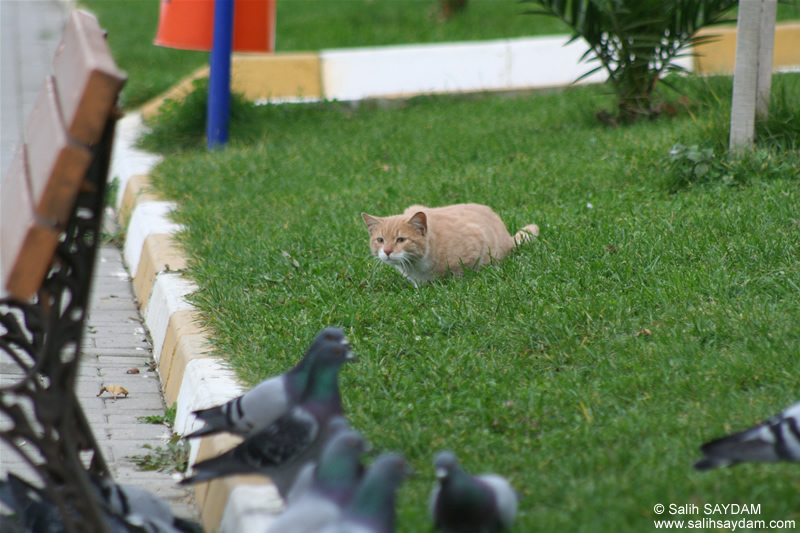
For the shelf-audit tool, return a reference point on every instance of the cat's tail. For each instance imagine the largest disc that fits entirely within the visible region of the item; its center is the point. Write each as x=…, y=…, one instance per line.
x=528, y=233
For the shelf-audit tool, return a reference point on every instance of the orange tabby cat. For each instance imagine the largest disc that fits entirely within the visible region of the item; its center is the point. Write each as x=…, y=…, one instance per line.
x=424, y=242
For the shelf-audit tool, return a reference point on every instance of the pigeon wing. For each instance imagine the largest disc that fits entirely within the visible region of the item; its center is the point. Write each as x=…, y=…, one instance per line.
x=281, y=442
x=777, y=439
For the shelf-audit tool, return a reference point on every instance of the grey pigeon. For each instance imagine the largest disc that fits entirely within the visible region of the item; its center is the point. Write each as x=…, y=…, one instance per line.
x=334, y=482
x=282, y=449
x=141, y=509
x=305, y=476
x=462, y=503
x=123, y=500
x=373, y=507
x=126, y=508
x=777, y=439
x=266, y=402
x=32, y=508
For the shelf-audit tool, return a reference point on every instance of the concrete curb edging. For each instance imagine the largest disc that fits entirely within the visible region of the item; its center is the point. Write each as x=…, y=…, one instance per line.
x=408, y=70
x=190, y=374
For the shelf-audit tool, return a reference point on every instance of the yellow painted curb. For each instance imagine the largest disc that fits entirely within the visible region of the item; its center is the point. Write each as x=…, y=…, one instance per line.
x=187, y=349
x=159, y=254
x=257, y=77
x=277, y=76
x=136, y=190
x=212, y=497
x=185, y=340
x=209, y=447
x=719, y=56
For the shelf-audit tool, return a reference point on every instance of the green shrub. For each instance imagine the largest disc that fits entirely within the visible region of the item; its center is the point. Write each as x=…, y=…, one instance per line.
x=181, y=124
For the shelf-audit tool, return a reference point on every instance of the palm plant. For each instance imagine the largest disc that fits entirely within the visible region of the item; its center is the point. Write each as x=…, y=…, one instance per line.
x=636, y=41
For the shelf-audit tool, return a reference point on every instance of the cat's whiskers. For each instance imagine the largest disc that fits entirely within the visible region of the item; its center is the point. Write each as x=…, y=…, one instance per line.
x=405, y=262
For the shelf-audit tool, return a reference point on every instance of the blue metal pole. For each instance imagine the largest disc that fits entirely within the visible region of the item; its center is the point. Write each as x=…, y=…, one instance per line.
x=219, y=82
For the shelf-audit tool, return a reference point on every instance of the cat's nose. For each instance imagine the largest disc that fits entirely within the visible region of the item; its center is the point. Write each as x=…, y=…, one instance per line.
x=387, y=251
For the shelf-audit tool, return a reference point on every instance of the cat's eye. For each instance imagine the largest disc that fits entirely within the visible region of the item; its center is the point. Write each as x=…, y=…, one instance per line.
x=380, y=240
x=401, y=239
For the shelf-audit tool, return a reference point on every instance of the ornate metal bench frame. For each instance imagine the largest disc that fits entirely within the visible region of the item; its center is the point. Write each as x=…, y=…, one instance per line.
x=53, y=202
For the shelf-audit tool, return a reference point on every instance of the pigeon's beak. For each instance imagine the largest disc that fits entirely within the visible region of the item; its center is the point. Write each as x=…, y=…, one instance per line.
x=350, y=356
x=441, y=473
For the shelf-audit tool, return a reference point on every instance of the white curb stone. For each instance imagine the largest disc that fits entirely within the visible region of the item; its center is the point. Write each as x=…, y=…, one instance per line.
x=126, y=159
x=168, y=297
x=354, y=74
x=148, y=218
x=410, y=70
x=206, y=382
x=251, y=508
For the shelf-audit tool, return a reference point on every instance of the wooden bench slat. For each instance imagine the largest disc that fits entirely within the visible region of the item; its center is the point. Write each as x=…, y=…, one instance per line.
x=56, y=163
x=27, y=246
x=88, y=80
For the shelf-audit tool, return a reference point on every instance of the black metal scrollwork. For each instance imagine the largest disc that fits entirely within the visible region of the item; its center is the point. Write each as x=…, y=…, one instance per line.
x=40, y=415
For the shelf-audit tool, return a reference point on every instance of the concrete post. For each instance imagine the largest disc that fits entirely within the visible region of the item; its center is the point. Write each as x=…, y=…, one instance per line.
x=765, y=52
x=752, y=73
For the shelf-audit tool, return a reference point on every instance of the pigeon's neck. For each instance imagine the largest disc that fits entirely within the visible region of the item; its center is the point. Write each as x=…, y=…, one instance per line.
x=299, y=375
x=374, y=504
x=338, y=477
x=323, y=384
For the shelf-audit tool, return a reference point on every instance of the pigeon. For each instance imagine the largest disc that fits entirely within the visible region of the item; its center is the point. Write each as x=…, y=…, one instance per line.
x=266, y=402
x=777, y=439
x=140, y=508
x=306, y=474
x=334, y=481
x=281, y=450
x=125, y=508
x=31, y=506
x=462, y=503
x=373, y=507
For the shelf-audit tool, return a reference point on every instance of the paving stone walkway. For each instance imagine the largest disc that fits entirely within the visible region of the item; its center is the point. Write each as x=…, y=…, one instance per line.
x=116, y=351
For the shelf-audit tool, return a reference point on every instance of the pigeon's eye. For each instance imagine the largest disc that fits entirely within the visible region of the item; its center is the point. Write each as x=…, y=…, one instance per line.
x=401, y=239
x=380, y=239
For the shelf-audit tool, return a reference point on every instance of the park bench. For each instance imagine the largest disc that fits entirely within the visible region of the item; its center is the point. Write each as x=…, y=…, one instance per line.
x=53, y=198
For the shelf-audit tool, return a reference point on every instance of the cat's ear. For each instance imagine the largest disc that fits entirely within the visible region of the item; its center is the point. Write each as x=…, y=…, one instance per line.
x=420, y=222
x=370, y=220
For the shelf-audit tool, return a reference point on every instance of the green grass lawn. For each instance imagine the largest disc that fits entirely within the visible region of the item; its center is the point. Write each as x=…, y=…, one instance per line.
x=588, y=367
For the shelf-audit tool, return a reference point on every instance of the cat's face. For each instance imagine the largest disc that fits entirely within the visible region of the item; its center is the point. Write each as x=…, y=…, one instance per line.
x=398, y=240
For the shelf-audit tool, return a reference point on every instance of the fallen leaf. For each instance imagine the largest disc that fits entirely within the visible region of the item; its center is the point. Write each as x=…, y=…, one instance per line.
x=114, y=390
x=291, y=259
x=645, y=331
x=132, y=371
